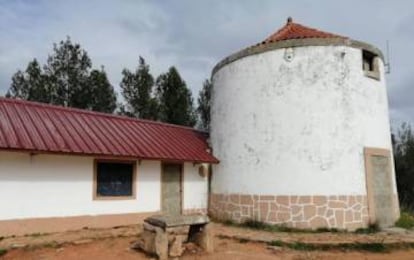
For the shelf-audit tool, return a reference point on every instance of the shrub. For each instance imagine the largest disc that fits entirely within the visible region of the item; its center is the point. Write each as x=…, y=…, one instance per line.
x=406, y=220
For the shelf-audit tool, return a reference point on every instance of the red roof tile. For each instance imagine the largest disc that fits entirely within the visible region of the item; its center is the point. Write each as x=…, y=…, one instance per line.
x=36, y=127
x=297, y=31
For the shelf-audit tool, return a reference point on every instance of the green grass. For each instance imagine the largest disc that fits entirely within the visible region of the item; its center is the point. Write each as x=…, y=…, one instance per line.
x=35, y=235
x=259, y=225
x=52, y=244
x=406, y=221
x=372, y=228
x=3, y=251
x=369, y=247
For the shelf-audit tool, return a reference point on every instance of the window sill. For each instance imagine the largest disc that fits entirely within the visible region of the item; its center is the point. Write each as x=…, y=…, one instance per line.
x=372, y=74
x=95, y=197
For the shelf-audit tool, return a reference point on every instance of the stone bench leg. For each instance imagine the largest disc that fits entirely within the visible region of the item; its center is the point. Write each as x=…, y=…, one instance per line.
x=161, y=243
x=205, y=238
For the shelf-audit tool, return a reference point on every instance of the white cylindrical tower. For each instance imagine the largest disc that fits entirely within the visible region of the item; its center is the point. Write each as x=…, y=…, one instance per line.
x=300, y=125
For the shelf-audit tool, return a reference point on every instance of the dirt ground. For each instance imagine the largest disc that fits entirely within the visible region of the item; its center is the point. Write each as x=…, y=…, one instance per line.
x=116, y=244
x=119, y=248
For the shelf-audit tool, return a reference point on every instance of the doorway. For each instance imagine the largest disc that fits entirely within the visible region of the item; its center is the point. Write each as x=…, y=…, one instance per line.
x=171, y=189
x=379, y=178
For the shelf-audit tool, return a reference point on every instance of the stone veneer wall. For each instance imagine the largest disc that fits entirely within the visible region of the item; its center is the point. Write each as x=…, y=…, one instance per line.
x=202, y=211
x=342, y=212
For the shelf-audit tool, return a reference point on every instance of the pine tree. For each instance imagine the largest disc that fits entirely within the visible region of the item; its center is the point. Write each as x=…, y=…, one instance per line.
x=404, y=165
x=102, y=94
x=68, y=70
x=137, y=90
x=204, y=104
x=175, y=100
x=30, y=85
x=66, y=80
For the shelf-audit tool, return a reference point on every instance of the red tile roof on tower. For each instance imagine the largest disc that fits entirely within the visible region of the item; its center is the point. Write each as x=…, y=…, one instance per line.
x=40, y=128
x=297, y=31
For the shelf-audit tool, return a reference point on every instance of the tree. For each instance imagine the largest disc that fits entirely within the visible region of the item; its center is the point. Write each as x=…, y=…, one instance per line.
x=175, y=100
x=68, y=70
x=102, y=94
x=137, y=90
x=30, y=85
x=65, y=80
x=204, y=104
x=404, y=165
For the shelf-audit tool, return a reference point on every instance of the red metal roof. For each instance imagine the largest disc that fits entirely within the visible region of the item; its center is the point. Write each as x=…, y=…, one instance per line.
x=297, y=31
x=41, y=128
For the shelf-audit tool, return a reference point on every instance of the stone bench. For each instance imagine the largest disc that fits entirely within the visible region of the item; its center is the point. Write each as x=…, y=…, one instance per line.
x=164, y=235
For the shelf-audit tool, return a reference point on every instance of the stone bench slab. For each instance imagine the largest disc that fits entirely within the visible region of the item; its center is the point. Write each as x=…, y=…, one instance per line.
x=167, y=221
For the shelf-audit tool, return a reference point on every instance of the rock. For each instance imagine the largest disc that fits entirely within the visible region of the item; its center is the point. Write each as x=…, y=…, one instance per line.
x=275, y=248
x=183, y=230
x=161, y=243
x=205, y=238
x=176, y=247
x=17, y=245
x=146, y=242
x=191, y=247
x=149, y=227
x=83, y=241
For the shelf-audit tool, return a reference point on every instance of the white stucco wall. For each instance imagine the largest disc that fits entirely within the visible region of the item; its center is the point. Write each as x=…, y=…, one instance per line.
x=298, y=127
x=195, y=190
x=58, y=186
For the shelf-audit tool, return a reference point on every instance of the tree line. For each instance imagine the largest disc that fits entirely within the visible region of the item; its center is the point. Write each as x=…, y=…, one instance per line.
x=403, y=148
x=68, y=79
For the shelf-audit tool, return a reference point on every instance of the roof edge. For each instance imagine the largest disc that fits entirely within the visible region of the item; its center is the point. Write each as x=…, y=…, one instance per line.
x=108, y=156
x=90, y=112
x=304, y=42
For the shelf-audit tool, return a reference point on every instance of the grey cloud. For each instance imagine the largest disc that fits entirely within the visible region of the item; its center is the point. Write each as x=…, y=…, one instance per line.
x=195, y=35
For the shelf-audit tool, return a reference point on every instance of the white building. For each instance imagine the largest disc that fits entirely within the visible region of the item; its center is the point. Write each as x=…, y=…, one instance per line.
x=300, y=125
x=63, y=168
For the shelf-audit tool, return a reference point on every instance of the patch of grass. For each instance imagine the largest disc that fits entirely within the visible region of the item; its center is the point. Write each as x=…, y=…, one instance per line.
x=406, y=221
x=259, y=225
x=300, y=246
x=372, y=228
x=277, y=243
x=329, y=230
x=3, y=251
x=229, y=222
x=243, y=241
x=370, y=247
x=35, y=235
x=255, y=224
x=52, y=244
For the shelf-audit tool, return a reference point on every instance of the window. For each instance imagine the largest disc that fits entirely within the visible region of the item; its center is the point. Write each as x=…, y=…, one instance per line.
x=370, y=64
x=114, y=180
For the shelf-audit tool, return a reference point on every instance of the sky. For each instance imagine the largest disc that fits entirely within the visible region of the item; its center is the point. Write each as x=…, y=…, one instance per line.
x=195, y=35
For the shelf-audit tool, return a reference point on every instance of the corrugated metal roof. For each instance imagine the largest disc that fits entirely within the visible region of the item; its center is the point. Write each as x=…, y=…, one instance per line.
x=42, y=128
x=297, y=31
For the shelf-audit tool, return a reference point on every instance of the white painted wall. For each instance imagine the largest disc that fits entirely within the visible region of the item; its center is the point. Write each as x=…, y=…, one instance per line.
x=55, y=185
x=195, y=188
x=298, y=127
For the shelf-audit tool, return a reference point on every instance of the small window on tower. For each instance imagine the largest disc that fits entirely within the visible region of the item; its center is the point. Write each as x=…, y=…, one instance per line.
x=370, y=64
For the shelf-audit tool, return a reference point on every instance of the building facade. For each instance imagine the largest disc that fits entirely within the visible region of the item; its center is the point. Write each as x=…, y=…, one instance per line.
x=67, y=169
x=300, y=124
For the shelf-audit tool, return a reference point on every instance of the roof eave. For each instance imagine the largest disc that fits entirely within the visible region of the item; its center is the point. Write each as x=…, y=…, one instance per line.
x=213, y=160
x=302, y=42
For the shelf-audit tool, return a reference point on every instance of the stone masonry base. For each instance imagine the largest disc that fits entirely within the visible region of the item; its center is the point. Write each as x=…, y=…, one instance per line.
x=342, y=212
x=199, y=211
